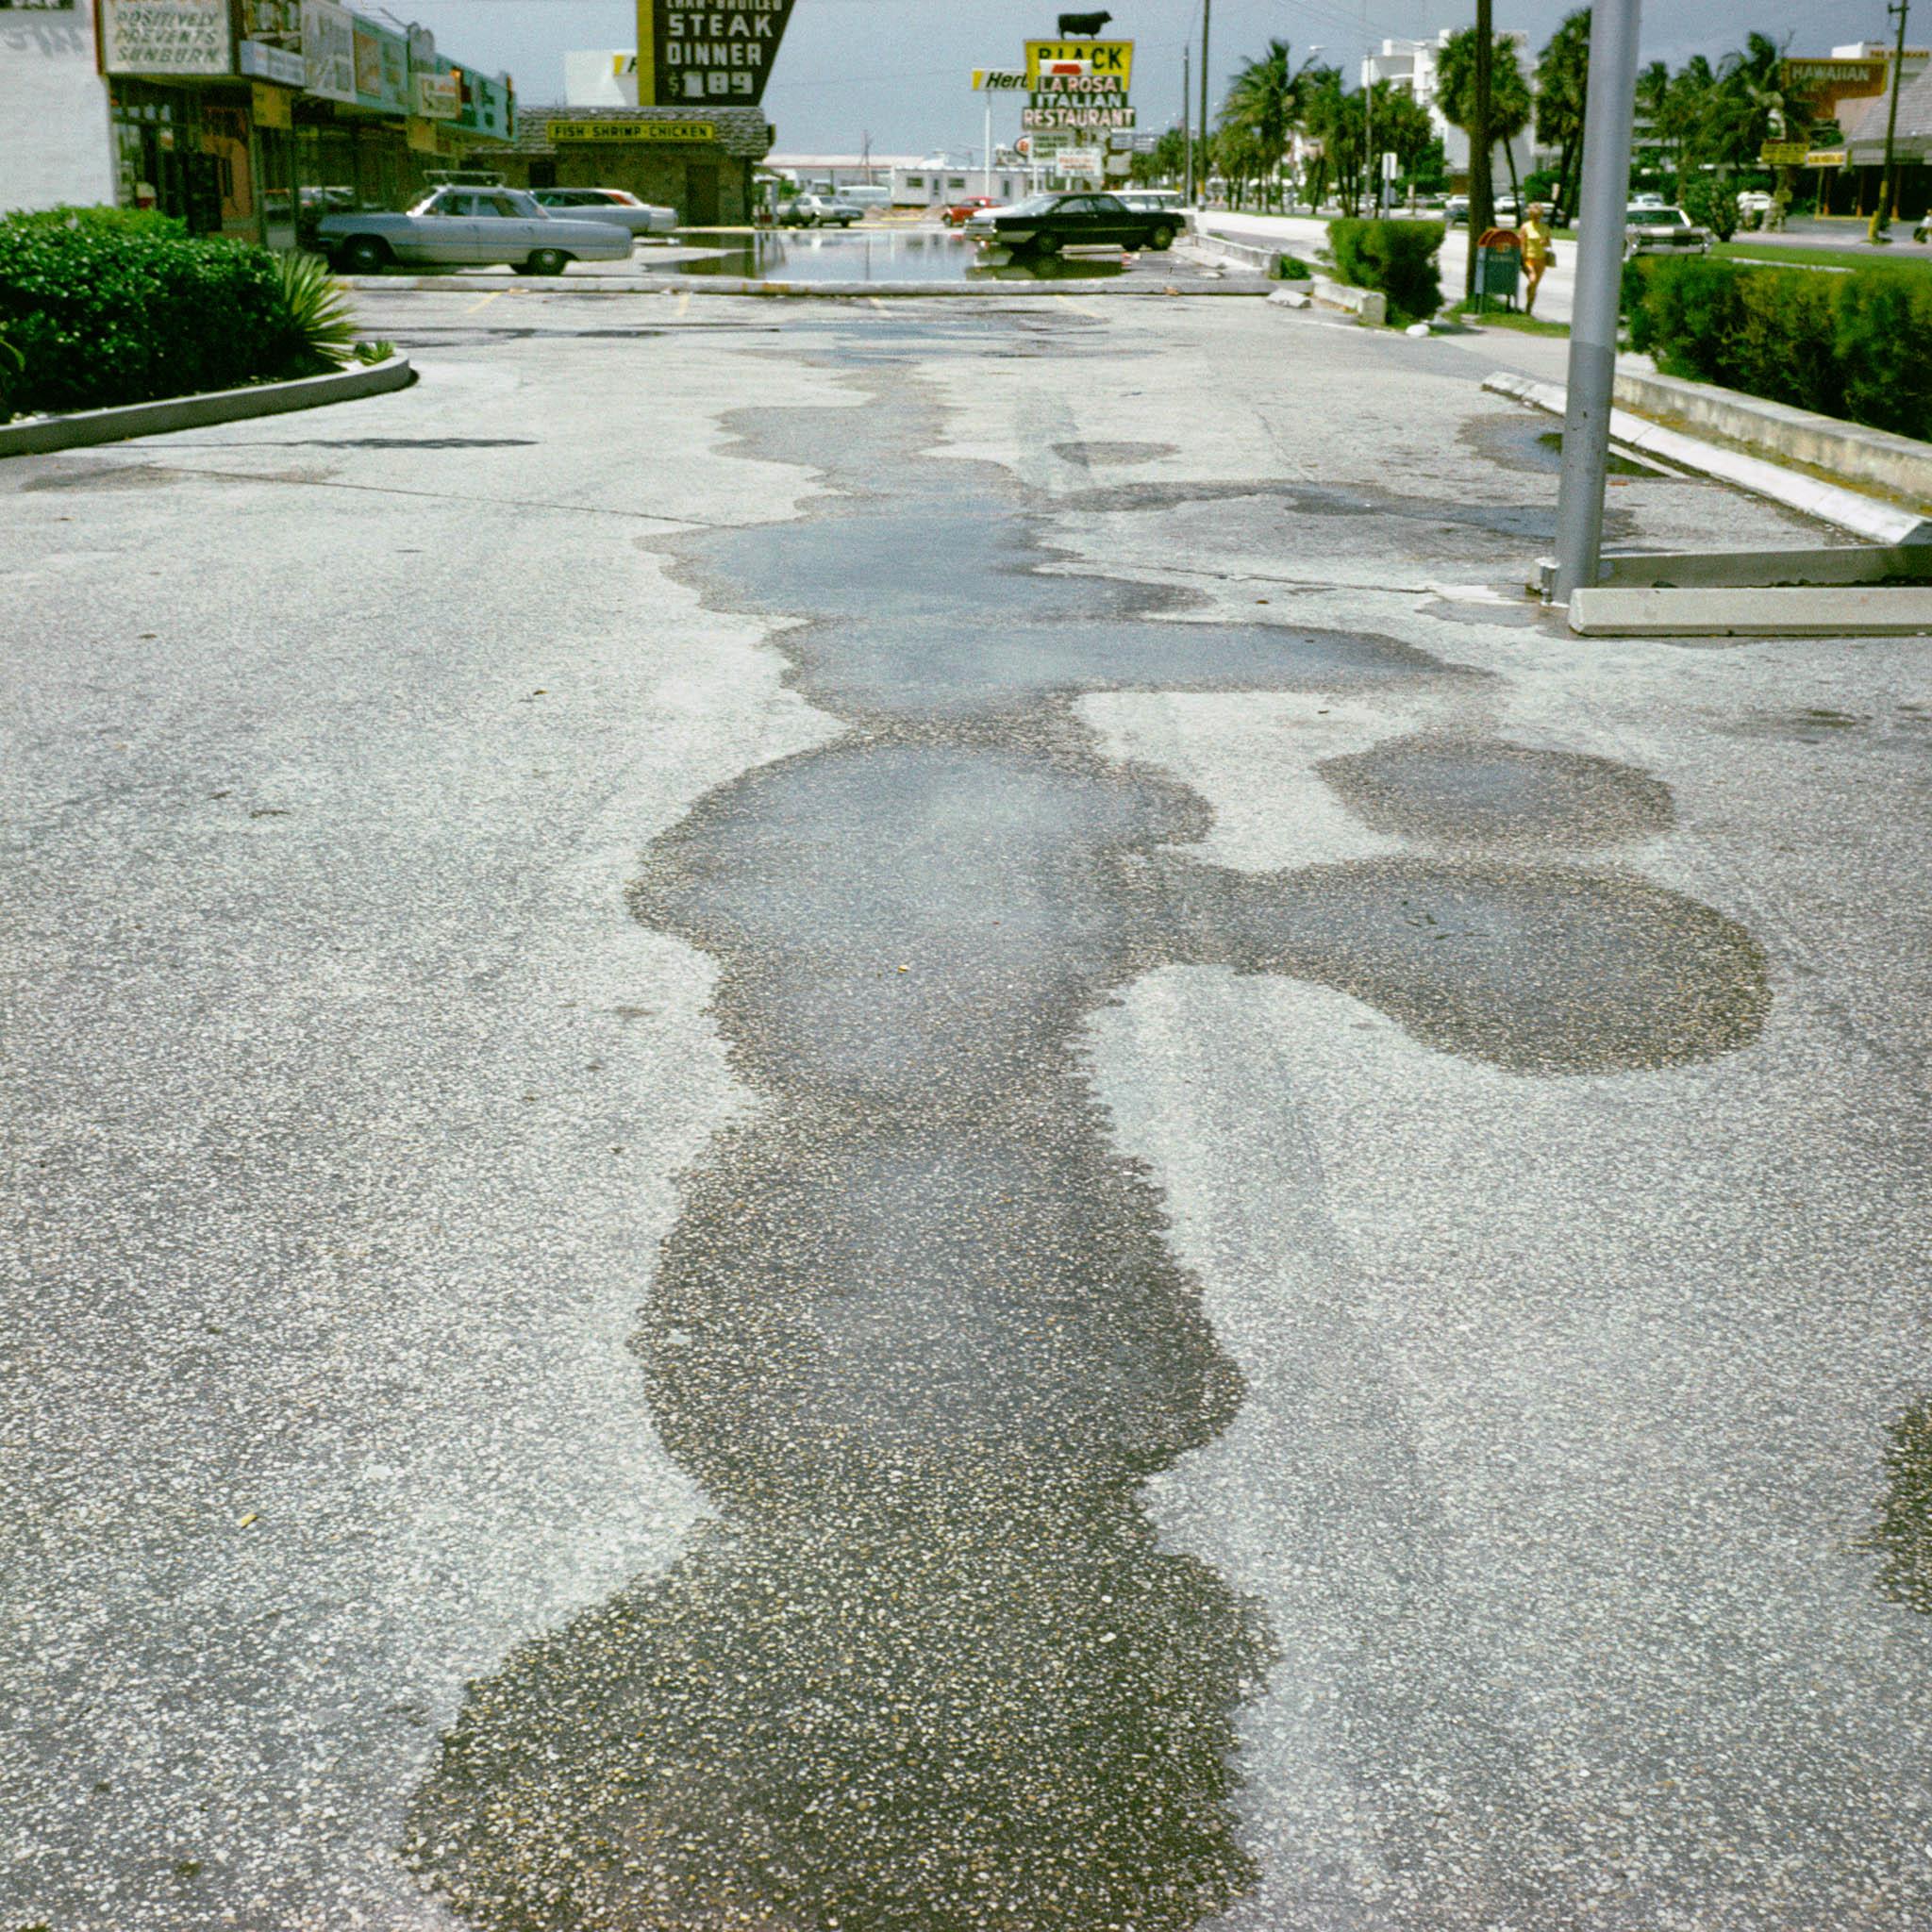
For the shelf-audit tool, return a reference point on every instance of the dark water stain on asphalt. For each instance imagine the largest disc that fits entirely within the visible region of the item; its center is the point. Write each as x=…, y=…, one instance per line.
x=1486, y=791
x=1518, y=440
x=918, y=1331
x=1104, y=452
x=1903, y=1535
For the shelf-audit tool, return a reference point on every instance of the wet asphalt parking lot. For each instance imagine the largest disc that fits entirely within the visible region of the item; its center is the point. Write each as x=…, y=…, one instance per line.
x=886, y=1116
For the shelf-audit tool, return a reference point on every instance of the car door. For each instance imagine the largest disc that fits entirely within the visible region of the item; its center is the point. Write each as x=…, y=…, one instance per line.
x=504, y=233
x=447, y=232
x=1113, y=221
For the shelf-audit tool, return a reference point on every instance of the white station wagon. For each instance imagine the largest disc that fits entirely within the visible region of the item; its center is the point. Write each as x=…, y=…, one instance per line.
x=468, y=225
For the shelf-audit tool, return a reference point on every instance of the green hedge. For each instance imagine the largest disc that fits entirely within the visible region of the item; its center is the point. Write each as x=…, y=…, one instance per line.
x=104, y=308
x=1849, y=346
x=1398, y=258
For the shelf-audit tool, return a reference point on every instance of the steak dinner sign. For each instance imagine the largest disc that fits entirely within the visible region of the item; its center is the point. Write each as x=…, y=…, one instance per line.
x=714, y=51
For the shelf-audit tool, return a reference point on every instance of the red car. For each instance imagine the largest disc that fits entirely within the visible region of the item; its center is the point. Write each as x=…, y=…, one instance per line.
x=962, y=211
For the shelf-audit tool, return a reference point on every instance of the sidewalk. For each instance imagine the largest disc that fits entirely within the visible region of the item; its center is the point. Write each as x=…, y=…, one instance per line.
x=1305, y=234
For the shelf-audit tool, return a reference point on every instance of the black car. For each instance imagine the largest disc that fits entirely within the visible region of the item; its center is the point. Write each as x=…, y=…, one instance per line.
x=1045, y=224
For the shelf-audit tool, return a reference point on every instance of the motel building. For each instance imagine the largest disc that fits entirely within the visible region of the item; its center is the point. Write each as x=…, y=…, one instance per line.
x=249, y=118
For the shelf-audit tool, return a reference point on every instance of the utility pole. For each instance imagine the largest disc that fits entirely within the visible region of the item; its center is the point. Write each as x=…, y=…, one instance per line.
x=1608, y=110
x=1188, y=118
x=1888, y=181
x=1482, y=199
x=1206, y=7
x=1369, y=161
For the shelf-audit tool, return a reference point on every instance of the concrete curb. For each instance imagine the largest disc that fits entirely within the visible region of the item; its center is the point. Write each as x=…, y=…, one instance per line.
x=1865, y=516
x=1851, y=450
x=1369, y=305
x=1736, y=612
x=1074, y=288
x=41, y=434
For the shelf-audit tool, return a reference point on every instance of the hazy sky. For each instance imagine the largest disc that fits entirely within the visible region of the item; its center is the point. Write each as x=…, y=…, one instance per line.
x=900, y=70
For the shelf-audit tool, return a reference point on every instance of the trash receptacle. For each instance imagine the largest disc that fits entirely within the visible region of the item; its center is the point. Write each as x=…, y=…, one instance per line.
x=1498, y=266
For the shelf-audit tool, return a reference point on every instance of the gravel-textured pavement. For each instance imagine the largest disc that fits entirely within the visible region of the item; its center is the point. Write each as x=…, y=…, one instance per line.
x=836, y=1118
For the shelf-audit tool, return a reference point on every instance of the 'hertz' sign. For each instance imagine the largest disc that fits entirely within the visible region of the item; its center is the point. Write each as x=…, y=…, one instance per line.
x=715, y=52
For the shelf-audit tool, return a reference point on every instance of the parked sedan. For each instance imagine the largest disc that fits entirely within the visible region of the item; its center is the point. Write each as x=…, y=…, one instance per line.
x=612, y=205
x=1045, y=224
x=962, y=211
x=469, y=225
x=819, y=211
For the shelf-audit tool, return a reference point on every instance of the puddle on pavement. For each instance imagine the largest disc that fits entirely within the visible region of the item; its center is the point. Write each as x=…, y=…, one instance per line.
x=1902, y=1536
x=866, y=255
x=1486, y=791
x=1519, y=442
x=918, y=1331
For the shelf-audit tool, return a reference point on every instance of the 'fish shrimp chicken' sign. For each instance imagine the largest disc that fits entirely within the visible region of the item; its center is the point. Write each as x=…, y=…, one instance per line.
x=715, y=52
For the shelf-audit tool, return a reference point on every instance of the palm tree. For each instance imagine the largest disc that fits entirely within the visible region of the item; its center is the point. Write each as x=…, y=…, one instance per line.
x=1265, y=104
x=1510, y=101
x=1562, y=88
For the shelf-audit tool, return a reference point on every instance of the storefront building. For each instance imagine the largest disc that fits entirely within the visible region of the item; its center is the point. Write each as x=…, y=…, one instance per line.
x=240, y=117
x=699, y=162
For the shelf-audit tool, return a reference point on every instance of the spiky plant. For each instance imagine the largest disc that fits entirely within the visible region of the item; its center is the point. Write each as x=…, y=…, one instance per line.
x=320, y=321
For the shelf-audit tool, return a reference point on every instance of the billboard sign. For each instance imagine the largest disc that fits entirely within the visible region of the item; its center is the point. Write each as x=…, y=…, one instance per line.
x=165, y=37
x=262, y=63
x=716, y=52
x=382, y=67
x=1111, y=61
x=631, y=130
x=438, y=96
x=328, y=47
x=999, y=80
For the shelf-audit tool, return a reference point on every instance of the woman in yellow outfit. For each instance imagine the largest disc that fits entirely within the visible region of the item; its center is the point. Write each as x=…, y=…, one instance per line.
x=1537, y=246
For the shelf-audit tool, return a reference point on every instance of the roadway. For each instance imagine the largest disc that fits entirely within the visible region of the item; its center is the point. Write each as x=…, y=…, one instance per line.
x=895, y=1114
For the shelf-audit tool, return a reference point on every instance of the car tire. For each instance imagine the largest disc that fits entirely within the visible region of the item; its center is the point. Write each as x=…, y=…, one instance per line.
x=1163, y=239
x=363, y=254
x=545, y=261
x=1046, y=245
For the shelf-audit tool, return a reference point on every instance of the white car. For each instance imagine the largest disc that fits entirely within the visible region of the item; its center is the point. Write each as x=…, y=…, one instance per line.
x=468, y=225
x=613, y=205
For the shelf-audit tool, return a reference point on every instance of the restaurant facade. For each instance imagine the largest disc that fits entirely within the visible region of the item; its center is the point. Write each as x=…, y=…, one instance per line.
x=241, y=117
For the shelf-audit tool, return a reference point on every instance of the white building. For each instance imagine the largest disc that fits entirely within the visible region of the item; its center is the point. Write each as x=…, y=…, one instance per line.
x=55, y=145
x=1414, y=65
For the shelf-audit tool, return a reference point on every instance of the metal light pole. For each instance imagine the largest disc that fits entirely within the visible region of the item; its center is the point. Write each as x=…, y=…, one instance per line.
x=1608, y=111
x=1888, y=181
x=1206, y=163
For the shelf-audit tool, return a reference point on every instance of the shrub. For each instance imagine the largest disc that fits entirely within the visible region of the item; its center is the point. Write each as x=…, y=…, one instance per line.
x=107, y=311
x=1292, y=268
x=1713, y=204
x=1397, y=258
x=1846, y=345
x=101, y=219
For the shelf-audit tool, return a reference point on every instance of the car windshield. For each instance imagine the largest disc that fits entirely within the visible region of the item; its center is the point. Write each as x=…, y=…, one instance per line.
x=1658, y=218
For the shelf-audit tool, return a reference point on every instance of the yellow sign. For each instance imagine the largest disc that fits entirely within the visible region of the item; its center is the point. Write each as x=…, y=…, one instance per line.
x=1112, y=59
x=272, y=106
x=1825, y=157
x=1784, y=154
x=998, y=80
x=421, y=134
x=632, y=131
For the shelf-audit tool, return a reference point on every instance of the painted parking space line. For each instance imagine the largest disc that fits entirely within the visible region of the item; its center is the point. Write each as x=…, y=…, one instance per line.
x=484, y=302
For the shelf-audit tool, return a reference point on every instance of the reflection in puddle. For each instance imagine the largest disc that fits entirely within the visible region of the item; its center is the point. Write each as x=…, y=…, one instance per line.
x=908, y=255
